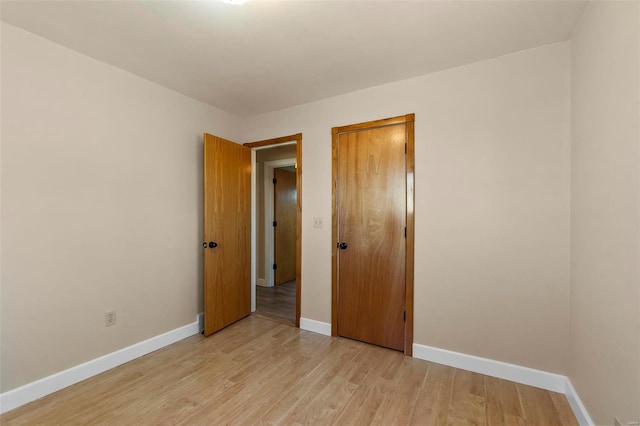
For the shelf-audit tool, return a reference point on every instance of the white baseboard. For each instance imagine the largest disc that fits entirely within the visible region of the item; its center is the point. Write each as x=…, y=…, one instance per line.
x=315, y=326
x=262, y=282
x=503, y=370
x=580, y=411
x=35, y=390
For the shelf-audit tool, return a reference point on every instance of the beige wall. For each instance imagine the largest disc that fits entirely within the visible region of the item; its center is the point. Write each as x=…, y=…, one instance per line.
x=492, y=201
x=262, y=156
x=101, y=207
x=605, y=217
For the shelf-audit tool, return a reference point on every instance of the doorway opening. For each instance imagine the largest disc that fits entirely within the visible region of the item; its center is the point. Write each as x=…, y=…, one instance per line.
x=276, y=224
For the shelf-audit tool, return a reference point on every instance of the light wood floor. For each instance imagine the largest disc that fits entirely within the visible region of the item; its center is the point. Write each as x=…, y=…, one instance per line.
x=277, y=302
x=262, y=372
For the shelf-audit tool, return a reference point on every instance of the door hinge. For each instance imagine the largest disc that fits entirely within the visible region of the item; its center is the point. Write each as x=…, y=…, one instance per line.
x=275, y=181
x=275, y=266
x=275, y=223
x=405, y=148
x=404, y=316
x=405, y=232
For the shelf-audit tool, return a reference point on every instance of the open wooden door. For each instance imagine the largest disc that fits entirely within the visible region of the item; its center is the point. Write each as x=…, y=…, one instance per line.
x=285, y=225
x=227, y=233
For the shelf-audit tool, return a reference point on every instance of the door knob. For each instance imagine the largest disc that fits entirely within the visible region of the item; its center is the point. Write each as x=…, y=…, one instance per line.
x=342, y=246
x=213, y=245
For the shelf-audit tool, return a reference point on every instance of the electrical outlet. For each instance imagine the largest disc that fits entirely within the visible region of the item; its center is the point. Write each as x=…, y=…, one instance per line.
x=317, y=222
x=109, y=318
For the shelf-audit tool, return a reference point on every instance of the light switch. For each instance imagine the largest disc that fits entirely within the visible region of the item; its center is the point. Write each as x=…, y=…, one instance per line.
x=317, y=222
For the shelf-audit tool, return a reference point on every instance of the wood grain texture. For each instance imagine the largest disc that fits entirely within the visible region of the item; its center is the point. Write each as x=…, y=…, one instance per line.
x=373, y=124
x=261, y=372
x=410, y=131
x=371, y=220
x=227, y=222
x=276, y=141
x=277, y=303
x=334, y=234
x=285, y=201
x=406, y=124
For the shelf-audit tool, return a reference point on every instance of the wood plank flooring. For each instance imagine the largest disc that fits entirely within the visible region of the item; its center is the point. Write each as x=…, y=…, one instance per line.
x=262, y=372
x=278, y=302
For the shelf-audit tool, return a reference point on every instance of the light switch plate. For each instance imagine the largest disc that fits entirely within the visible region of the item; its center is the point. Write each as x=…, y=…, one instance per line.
x=317, y=222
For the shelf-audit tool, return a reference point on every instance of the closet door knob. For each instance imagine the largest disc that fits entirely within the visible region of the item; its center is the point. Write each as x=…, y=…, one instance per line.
x=213, y=245
x=342, y=246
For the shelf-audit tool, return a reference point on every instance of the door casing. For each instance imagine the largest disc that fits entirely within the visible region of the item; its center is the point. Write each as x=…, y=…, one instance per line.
x=297, y=139
x=408, y=120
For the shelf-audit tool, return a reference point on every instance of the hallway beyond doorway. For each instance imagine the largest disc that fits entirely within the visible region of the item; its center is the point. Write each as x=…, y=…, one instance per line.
x=277, y=302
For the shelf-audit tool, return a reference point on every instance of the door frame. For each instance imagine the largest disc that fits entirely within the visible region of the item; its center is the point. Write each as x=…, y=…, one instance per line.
x=269, y=238
x=408, y=120
x=270, y=143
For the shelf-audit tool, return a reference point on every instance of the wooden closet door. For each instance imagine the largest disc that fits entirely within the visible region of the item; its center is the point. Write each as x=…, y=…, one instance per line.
x=371, y=215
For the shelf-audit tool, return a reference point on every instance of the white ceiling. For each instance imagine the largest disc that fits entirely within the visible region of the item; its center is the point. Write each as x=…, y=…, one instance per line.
x=268, y=55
